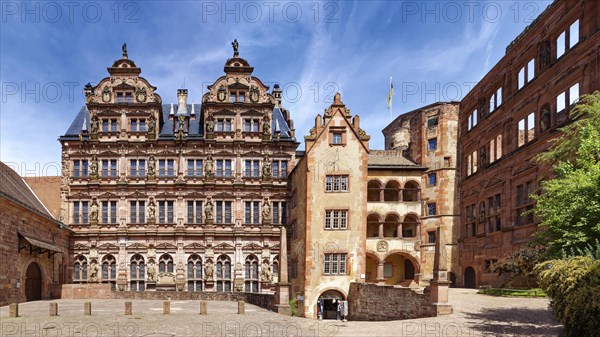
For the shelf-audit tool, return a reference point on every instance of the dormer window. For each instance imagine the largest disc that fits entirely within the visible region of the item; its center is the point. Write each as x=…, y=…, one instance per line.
x=337, y=138
x=123, y=97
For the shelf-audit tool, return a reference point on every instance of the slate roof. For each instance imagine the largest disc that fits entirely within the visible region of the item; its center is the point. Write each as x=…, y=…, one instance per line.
x=390, y=159
x=15, y=189
x=196, y=128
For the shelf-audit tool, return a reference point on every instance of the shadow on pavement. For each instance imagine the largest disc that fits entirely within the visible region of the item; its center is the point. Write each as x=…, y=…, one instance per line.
x=516, y=322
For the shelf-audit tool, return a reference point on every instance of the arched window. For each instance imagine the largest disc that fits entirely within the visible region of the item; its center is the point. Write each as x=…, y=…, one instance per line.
x=373, y=226
x=109, y=270
x=165, y=264
x=80, y=269
x=138, y=273
x=411, y=191
x=374, y=191
x=392, y=191
x=194, y=273
x=251, y=282
x=409, y=226
x=223, y=273
x=390, y=226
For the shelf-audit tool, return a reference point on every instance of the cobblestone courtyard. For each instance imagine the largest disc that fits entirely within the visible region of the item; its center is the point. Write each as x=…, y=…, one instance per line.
x=474, y=315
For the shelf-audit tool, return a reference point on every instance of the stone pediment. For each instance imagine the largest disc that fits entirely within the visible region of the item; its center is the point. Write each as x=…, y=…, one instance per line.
x=137, y=195
x=108, y=153
x=108, y=195
x=222, y=247
x=493, y=182
x=80, y=246
x=470, y=192
x=166, y=246
x=253, y=154
x=194, y=247
x=223, y=153
x=138, y=152
x=223, y=195
x=194, y=152
x=165, y=195
x=123, y=86
x=195, y=195
x=166, y=152
x=523, y=168
x=224, y=112
x=238, y=85
x=108, y=247
x=166, y=278
x=79, y=153
x=80, y=195
x=136, y=246
x=253, y=195
x=252, y=247
x=252, y=113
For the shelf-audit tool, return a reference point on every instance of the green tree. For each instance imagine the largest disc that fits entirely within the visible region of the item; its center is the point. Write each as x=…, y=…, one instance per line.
x=521, y=262
x=569, y=204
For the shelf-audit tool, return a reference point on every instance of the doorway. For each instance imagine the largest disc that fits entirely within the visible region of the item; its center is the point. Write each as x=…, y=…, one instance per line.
x=330, y=300
x=469, y=278
x=33, y=283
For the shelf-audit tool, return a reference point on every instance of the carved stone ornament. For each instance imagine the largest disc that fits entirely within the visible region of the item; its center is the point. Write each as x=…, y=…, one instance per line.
x=545, y=120
x=141, y=95
x=222, y=93
x=106, y=95
x=382, y=246
x=254, y=94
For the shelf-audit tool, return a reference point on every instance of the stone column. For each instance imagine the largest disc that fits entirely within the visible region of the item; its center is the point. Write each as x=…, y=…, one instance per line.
x=439, y=284
x=399, y=231
x=380, y=230
x=282, y=291
x=13, y=310
x=380, y=277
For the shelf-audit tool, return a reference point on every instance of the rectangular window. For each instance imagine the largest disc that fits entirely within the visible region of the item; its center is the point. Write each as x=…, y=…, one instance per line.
x=336, y=219
x=521, y=78
x=495, y=149
x=109, y=212
x=574, y=94
x=113, y=125
x=336, y=183
x=138, y=167
x=432, y=144
x=76, y=215
x=165, y=212
x=431, y=237
x=80, y=168
x=530, y=70
x=522, y=136
x=194, y=167
x=574, y=34
x=275, y=168
x=166, y=167
x=431, y=209
x=560, y=44
x=334, y=264
x=530, y=126
x=109, y=168
x=560, y=102
x=472, y=163
x=223, y=212
x=194, y=212
x=472, y=120
x=524, y=204
x=241, y=97
x=526, y=74
x=337, y=138
x=526, y=129
x=432, y=179
x=496, y=100
x=432, y=121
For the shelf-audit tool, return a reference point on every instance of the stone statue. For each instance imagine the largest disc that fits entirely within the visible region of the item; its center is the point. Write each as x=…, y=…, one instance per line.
x=94, y=211
x=266, y=210
x=124, y=49
x=208, y=211
x=94, y=167
x=151, y=271
x=94, y=126
x=210, y=126
x=151, y=125
x=545, y=120
x=208, y=271
x=209, y=166
x=266, y=167
x=545, y=57
x=151, y=167
x=61, y=217
x=151, y=210
x=235, y=46
x=181, y=119
x=483, y=156
x=266, y=273
x=93, y=275
x=266, y=127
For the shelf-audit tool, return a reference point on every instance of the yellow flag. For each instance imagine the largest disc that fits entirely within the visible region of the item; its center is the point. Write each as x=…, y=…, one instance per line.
x=390, y=94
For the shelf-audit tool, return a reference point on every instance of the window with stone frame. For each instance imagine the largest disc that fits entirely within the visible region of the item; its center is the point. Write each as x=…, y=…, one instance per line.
x=80, y=212
x=279, y=168
x=138, y=125
x=109, y=168
x=252, y=168
x=137, y=167
x=524, y=204
x=109, y=270
x=224, y=125
x=431, y=237
x=223, y=268
x=166, y=211
x=489, y=265
x=496, y=100
x=194, y=211
x=165, y=264
x=109, y=212
x=336, y=219
x=137, y=274
x=137, y=211
x=224, y=168
x=567, y=39
x=251, y=125
x=166, y=167
x=252, y=212
x=194, y=273
x=493, y=220
x=334, y=264
x=472, y=120
x=336, y=183
x=251, y=274
x=471, y=163
x=279, y=212
x=110, y=125
x=526, y=74
x=495, y=148
x=194, y=167
x=566, y=100
x=80, y=168
x=223, y=212
x=80, y=269
x=526, y=129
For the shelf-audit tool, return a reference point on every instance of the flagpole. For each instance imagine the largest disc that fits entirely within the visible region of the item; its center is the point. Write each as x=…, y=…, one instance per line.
x=391, y=98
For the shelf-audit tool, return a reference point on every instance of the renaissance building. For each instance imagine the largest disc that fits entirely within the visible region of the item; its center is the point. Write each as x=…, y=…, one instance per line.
x=178, y=196
x=507, y=119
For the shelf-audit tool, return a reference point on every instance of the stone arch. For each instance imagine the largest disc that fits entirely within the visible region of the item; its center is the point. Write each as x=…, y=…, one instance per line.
x=373, y=221
x=392, y=191
x=411, y=191
x=391, y=225
x=470, y=279
x=34, y=281
x=374, y=188
x=327, y=302
x=410, y=225
x=400, y=267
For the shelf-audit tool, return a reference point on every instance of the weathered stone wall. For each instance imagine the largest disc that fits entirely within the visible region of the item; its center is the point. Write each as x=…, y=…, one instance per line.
x=266, y=301
x=371, y=302
x=83, y=291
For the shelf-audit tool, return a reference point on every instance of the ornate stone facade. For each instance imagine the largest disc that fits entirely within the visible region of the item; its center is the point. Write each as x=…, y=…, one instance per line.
x=177, y=196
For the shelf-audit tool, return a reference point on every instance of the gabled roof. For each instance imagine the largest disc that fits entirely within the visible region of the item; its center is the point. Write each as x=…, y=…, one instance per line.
x=15, y=189
x=196, y=128
x=77, y=125
x=390, y=159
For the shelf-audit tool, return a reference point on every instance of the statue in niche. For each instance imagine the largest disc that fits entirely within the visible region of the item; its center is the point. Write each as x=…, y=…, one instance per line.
x=151, y=167
x=151, y=210
x=483, y=156
x=266, y=127
x=94, y=167
x=266, y=211
x=545, y=120
x=151, y=125
x=545, y=58
x=94, y=126
x=94, y=211
x=208, y=271
x=151, y=271
x=266, y=167
x=266, y=273
x=208, y=211
x=209, y=166
x=106, y=95
x=93, y=275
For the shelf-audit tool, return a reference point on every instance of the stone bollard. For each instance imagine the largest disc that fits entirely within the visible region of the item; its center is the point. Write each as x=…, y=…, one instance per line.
x=53, y=309
x=13, y=310
x=166, y=308
x=128, y=308
x=87, y=308
x=203, y=308
x=241, y=307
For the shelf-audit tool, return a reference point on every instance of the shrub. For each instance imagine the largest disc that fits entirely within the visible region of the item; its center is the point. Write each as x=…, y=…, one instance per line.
x=573, y=285
x=293, y=306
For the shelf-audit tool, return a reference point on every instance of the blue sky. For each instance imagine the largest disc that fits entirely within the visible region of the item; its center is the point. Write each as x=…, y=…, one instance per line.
x=434, y=50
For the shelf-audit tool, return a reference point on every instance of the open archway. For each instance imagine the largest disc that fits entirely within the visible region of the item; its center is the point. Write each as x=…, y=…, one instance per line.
x=328, y=303
x=470, y=278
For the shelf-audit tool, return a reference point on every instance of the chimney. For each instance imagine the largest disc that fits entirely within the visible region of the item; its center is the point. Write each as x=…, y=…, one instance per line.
x=182, y=101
